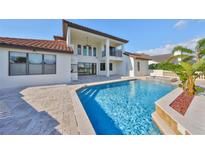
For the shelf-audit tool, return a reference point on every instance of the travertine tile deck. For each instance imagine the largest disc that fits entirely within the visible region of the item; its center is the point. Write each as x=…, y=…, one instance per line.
x=46, y=110
x=37, y=110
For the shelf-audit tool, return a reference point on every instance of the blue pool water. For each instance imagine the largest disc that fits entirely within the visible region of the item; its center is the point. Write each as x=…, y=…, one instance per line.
x=123, y=107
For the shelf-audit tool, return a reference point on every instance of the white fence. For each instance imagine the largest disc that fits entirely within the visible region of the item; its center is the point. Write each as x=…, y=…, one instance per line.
x=163, y=73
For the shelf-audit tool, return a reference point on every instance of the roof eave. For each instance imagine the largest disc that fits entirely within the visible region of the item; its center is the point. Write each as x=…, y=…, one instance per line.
x=34, y=48
x=67, y=24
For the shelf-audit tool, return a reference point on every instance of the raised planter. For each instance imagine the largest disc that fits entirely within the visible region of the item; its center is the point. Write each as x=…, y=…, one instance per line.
x=166, y=118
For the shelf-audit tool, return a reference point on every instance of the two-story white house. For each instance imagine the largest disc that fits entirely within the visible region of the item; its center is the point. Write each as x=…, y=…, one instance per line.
x=79, y=51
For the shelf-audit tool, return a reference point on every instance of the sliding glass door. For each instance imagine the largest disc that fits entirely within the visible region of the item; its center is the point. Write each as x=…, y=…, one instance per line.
x=86, y=68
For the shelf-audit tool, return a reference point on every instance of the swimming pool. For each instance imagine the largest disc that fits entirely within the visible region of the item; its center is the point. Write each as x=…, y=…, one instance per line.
x=123, y=107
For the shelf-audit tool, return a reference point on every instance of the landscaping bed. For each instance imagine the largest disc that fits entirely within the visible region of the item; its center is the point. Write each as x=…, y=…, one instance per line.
x=182, y=102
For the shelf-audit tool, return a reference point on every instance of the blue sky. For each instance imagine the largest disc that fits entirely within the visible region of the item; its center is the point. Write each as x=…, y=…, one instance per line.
x=143, y=35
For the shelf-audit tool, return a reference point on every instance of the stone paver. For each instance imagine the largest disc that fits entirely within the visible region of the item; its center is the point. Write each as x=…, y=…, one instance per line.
x=37, y=110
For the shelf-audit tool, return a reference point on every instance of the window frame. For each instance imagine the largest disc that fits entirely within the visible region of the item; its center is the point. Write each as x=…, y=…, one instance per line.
x=110, y=66
x=103, y=67
x=27, y=64
x=49, y=64
x=87, y=68
x=94, y=51
x=9, y=64
x=138, y=66
x=80, y=49
x=86, y=50
x=42, y=64
x=90, y=53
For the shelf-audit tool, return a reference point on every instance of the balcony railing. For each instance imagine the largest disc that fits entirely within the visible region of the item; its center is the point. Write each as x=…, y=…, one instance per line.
x=116, y=53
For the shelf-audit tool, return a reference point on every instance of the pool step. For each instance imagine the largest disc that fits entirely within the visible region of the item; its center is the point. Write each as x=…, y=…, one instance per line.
x=164, y=128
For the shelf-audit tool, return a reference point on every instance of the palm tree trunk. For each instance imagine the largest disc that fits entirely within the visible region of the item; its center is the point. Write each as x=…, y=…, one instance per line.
x=191, y=86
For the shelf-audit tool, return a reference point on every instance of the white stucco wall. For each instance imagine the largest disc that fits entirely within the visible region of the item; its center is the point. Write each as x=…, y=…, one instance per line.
x=152, y=62
x=130, y=67
x=63, y=68
x=143, y=68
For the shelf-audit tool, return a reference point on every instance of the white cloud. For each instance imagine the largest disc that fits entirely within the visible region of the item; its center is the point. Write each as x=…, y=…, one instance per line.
x=181, y=24
x=169, y=47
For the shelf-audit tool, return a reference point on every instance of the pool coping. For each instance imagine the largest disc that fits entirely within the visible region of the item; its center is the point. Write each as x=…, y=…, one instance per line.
x=84, y=124
x=175, y=121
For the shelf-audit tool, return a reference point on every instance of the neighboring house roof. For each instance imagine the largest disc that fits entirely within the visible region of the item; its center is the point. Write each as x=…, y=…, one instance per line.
x=138, y=55
x=34, y=44
x=161, y=58
x=67, y=24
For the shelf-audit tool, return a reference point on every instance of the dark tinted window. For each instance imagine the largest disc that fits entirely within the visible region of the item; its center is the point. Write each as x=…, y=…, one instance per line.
x=102, y=66
x=79, y=49
x=110, y=66
x=90, y=51
x=94, y=51
x=138, y=66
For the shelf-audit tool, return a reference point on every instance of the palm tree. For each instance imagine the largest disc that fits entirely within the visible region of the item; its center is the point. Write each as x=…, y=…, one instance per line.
x=191, y=63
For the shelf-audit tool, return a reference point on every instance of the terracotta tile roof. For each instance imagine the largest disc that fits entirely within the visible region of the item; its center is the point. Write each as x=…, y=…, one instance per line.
x=83, y=28
x=34, y=44
x=138, y=55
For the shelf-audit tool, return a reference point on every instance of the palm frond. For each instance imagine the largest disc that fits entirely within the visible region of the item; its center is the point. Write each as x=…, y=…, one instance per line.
x=182, y=49
x=187, y=67
x=199, y=89
x=200, y=44
x=201, y=53
x=196, y=66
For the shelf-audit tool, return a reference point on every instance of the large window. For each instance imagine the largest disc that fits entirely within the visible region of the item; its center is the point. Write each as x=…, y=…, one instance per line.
x=35, y=64
x=94, y=51
x=85, y=51
x=90, y=51
x=49, y=64
x=17, y=62
x=79, y=49
x=31, y=64
x=86, y=68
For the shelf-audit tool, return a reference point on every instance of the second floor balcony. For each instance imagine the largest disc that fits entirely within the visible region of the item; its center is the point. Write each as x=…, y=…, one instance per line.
x=115, y=53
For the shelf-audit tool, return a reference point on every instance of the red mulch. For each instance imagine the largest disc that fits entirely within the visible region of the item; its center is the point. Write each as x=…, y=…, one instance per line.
x=182, y=102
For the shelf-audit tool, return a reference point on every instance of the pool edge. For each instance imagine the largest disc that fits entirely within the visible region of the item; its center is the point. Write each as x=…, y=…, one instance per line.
x=84, y=124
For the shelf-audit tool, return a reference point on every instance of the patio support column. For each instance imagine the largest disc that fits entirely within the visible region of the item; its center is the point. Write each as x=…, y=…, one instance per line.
x=107, y=61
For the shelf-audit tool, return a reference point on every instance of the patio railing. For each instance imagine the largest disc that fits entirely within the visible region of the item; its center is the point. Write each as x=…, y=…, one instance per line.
x=116, y=53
